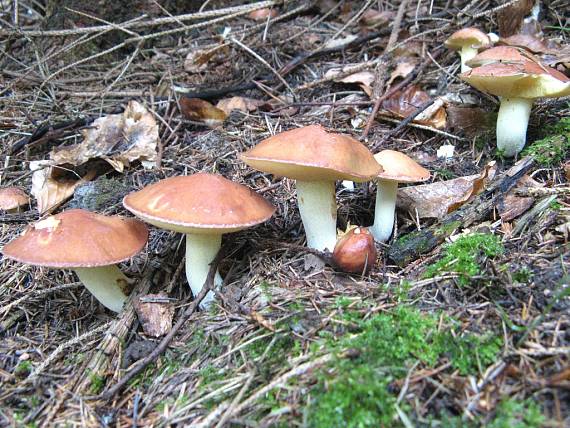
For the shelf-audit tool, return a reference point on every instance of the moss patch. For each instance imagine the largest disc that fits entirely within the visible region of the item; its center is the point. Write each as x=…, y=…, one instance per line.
x=552, y=149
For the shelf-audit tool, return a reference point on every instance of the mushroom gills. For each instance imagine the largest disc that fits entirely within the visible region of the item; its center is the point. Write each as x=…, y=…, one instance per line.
x=201, y=250
x=384, y=210
x=512, y=124
x=106, y=283
x=317, y=205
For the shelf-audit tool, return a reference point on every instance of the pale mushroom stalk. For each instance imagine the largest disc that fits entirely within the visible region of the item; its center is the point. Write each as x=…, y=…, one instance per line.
x=106, y=283
x=201, y=250
x=317, y=206
x=512, y=123
x=384, y=210
x=466, y=53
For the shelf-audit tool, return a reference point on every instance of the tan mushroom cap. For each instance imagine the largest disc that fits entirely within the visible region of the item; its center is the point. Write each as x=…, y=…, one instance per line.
x=471, y=37
x=12, y=198
x=312, y=153
x=78, y=238
x=521, y=80
x=504, y=54
x=399, y=167
x=199, y=203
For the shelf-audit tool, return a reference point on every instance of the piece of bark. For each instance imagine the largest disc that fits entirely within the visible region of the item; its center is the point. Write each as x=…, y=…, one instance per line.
x=155, y=312
x=421, y=242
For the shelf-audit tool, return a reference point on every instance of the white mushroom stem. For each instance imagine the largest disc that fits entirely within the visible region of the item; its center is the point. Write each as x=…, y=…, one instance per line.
x=512, y=123
x=201, y=250
x=317, y=205
x=106, y=283
x=466, y=53
x=384, y=210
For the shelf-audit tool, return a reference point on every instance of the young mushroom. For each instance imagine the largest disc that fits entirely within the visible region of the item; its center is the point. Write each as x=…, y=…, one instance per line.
x=91, y=244
x=355, y=251
x=467, y=41
x=13, y=199
x=517, y=84
x=398, y=168
x=316, y=159
x=203, y=207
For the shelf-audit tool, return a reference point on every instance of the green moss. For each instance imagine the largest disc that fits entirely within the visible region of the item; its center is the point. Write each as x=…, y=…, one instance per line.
x=97, y=383
x=523, y=275
x=444, y=173
x=517, y=414
x=470, y=353
x=552, y=149
x=23, y=368
x=462, y=256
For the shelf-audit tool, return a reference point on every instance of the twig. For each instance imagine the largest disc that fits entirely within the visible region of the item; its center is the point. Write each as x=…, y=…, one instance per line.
x=396, y=25
x=161, y=347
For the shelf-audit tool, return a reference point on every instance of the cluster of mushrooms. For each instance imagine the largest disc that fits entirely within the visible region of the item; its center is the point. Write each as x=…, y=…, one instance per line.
x=205, y=206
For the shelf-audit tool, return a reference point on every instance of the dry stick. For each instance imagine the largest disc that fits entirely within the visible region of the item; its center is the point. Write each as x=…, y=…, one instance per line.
x=425, y=240
x=161, y=347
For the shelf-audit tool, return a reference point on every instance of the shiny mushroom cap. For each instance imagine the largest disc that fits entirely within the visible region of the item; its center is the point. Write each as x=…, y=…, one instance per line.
x=78, y=238
x=399, y=167
x=199, y=203
x=311, y=154
x=12, y=198
x=526, y=79
x=503, y=54
x=471, y=37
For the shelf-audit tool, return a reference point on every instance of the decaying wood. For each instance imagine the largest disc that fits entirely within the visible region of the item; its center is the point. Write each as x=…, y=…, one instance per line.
x=412, y=246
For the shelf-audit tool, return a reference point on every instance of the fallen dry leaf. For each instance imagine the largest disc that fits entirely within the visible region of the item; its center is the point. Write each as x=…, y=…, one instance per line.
x=155, y=312
x=202, y=111
x=260, y=319
x=403, y=69
x=513, y=206
x=197, y=60
x=119, y=139
x=566, y=168
x=364, y=79
x=227, y=105
x=262, y=14
x=373, y=18
x=435, y=200
x=510, y=19
x=472, y=121
x=403, y=103
x=50, y=188
x=526, y=41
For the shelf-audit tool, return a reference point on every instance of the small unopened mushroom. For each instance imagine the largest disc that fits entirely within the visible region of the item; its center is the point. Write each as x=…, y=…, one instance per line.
x=203, y=207
x=355, y=251
x=316, y=159
x=398, y=168
x=467, y=41
x=517, y=84
x=91, y=244
x=13, y=199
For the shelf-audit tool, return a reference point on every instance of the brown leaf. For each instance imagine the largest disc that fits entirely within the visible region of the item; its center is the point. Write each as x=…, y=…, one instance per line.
x=202, y=111
x=513, y=206
x=259, y=319
x=197, y=60
x=364, y=79
x=510, y=19
x=404, y=103
x=472, y=121
x=239, y=103
x=566, y=168
x=402, y=70
x=262, y=14
x=526, y=41
x=51, y=189
x=155, y=312
x=435, y=200
x=117, y=138
x=373, y=18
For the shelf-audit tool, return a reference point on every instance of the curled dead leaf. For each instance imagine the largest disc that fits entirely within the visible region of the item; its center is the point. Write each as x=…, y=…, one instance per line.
x=239, y=103
x=435, y=200
x=404, y=103
x=526, y=41
x=374, y=18
x=403, y=69
x=202, y=111
x=364, y=79
x=472, y=121
x=155, y=312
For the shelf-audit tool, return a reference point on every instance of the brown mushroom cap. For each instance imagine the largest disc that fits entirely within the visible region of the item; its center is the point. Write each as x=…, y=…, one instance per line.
x=78, y=238
x=504, y=54
x=311, y=153
x=470, y=36
x=527, y=79
x=12, y=198
x=199, y=203
x=399, y=167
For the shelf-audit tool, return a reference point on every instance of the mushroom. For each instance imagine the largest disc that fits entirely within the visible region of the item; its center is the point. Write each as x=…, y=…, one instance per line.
x=517, y=84
x=12, y=199
x=398, y=168
x=203, y=207
x=467, y=41
x=90, y=244
x=504, y=54
x=355, y=251
x=316, y=159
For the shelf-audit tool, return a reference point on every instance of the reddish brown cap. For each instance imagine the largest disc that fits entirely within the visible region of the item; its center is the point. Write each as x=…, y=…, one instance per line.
x=311, y=153
x=199, y=203
x=504, y=54
x=12, y=198
x=470, y=36
x=355, y=251
x=526, y=79
x=399, y=167
x=78, y=238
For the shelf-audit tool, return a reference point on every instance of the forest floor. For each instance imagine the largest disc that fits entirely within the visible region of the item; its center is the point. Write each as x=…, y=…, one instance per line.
x=472, y=330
